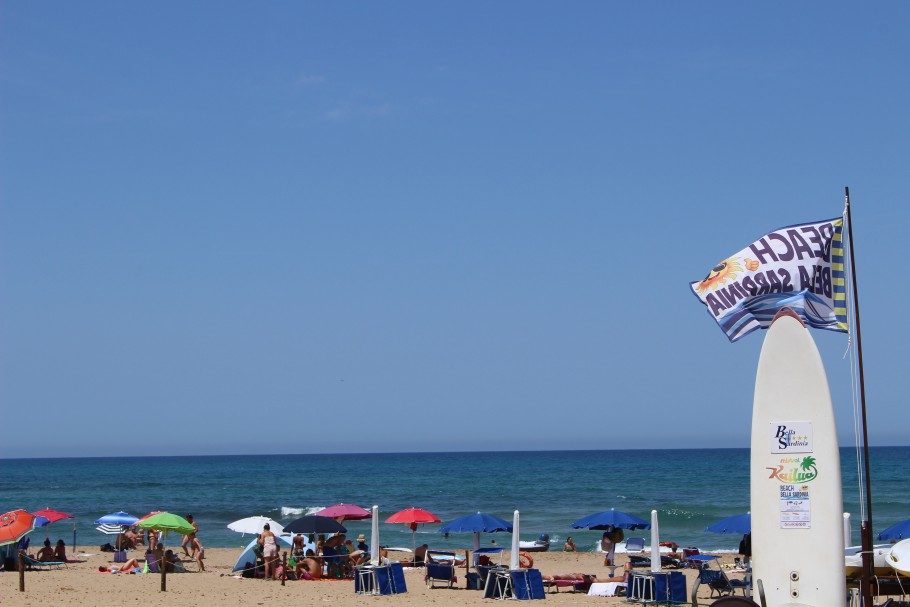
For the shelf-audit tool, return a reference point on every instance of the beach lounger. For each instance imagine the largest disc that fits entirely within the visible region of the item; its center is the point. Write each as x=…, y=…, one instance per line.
x=716, y=580
x=33, y=564
x=666, y=562
x=635, y=544
x=440, y=568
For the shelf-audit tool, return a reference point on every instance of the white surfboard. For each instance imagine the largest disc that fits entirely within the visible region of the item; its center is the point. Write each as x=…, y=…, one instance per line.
x=797, y=504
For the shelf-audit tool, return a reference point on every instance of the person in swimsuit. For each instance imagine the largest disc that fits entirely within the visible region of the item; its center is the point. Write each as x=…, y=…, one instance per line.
x=131, y=566
x=570, y=545
x=46, y=554
x=269, y=551
x=309, y=568
x=297, y=548
x=608, y=547
x=188, y=539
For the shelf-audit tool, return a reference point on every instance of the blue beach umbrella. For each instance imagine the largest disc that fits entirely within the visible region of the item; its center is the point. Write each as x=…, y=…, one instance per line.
x=117, y=518
x=740, y=523
x=248, y=556
x=611, y=518
x=476, y=523
x=897, y=531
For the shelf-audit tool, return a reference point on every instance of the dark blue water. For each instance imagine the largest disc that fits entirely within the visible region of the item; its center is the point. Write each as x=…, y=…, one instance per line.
x=689, y=488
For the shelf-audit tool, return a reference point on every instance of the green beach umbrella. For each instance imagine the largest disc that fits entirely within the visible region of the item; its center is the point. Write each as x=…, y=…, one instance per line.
x=165, y=521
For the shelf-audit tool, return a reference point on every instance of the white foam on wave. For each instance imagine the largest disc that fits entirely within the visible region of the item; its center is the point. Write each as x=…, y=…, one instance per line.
x=288, y=511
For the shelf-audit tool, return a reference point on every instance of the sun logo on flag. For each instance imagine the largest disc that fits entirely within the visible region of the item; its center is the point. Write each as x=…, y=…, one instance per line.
x=720, y=274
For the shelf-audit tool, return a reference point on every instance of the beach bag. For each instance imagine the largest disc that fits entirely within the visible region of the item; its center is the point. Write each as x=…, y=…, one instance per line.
x=248, y=570
x=107, y=548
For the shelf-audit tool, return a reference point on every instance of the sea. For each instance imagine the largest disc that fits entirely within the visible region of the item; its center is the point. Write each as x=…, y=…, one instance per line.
x=689, y=488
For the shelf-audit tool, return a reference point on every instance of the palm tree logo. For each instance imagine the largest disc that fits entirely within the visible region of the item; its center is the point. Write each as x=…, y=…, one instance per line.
x=808, y=465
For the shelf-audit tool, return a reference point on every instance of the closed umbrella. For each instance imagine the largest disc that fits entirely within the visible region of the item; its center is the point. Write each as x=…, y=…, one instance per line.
x=374, y=536
x=412, y=517
x=655, y=543
x=15, y=525
x=516, y=541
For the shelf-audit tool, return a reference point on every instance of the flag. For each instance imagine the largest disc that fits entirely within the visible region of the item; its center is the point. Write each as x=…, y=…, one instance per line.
x=800, y=267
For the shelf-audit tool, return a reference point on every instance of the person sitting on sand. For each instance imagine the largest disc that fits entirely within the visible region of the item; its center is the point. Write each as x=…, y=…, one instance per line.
x=309, y=568
x=570, y=546
x=46, y=554
x=131, y=566
x=60, y=551
x=172, y=563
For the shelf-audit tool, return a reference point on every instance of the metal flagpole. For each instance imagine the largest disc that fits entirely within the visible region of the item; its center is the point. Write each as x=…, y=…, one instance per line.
x=866, y=524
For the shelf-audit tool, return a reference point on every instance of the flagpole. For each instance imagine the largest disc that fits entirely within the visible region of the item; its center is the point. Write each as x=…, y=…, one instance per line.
x=866, y=524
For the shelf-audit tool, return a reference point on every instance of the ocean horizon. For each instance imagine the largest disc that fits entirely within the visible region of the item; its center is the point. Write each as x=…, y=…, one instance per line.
x=690, y=488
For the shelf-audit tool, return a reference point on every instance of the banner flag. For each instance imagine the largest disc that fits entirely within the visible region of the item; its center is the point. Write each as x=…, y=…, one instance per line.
x=799, y=267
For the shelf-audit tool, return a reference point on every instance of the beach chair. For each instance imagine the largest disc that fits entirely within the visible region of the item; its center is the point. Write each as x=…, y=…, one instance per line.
x=635, y=544
x=34, y=564
x=527, y=585
x=718, y=582
x=440, y=568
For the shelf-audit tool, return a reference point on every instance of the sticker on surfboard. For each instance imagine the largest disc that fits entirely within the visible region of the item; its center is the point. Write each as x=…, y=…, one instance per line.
x=791, y=437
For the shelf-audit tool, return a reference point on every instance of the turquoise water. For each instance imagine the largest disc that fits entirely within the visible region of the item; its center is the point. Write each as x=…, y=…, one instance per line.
x=689, y=488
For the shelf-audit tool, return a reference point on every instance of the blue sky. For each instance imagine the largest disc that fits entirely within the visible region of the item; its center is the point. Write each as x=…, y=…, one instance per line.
x=296, y=227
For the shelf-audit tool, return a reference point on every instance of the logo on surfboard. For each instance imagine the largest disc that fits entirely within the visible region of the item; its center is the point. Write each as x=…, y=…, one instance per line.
x=795, y=470
x=791, y=437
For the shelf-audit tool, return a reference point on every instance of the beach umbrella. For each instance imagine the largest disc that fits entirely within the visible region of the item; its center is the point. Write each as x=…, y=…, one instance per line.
x=15, y=525
x=516, y=542
x=611, y=518
x=254, y=525
x=51, y=516
x=166, y=521
x=117, y=518
x=110, y=529
x=476, y=524
x=897, y=531
x=249, y=556
x=374, y=536
x=412, y=517
x=655, y=543
x=344, y=512
x=314, y=524
x=740, y=523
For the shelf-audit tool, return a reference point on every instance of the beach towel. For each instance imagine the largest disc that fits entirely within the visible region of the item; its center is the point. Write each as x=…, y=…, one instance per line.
x=605, y=588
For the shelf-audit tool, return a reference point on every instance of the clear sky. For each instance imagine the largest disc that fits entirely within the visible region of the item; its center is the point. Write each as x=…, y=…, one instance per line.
x=234, y=227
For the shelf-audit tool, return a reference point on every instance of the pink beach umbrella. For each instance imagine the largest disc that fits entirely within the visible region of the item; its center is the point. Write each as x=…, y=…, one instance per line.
x=344, y=512
x=412, y=517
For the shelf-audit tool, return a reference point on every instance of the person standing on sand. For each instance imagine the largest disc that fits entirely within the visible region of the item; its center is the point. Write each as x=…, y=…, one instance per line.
x=269, y=552
x=188, y=539
x=608, y=547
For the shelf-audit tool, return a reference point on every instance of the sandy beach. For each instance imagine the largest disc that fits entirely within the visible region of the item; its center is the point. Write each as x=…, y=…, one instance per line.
x=82, y=584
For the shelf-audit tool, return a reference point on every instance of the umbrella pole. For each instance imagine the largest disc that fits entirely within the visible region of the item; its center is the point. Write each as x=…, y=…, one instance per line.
x=74, y=539
x=162, y=565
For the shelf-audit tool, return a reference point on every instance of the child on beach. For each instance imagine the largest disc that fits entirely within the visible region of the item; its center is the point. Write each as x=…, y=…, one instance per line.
x=199, y=551
x=188, y=539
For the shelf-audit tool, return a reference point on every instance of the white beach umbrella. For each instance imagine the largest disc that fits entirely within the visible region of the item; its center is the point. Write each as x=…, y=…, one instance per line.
x=516, y=546
x=655, y=543
x=109, y=529
x=254, y=525
x=374, y=537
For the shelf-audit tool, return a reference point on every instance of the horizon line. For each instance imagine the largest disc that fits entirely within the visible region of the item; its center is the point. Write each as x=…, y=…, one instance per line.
x=368, y=453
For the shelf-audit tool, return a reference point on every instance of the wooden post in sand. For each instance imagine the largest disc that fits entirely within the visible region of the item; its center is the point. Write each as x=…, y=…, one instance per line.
x=162, y=564
x=21, y=571
x=284, y=566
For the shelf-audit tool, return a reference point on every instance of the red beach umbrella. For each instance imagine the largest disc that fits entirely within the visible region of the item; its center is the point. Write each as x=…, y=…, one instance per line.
x=52, y=515
x=412, y=517
x=15, y=525
x=344, y=512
